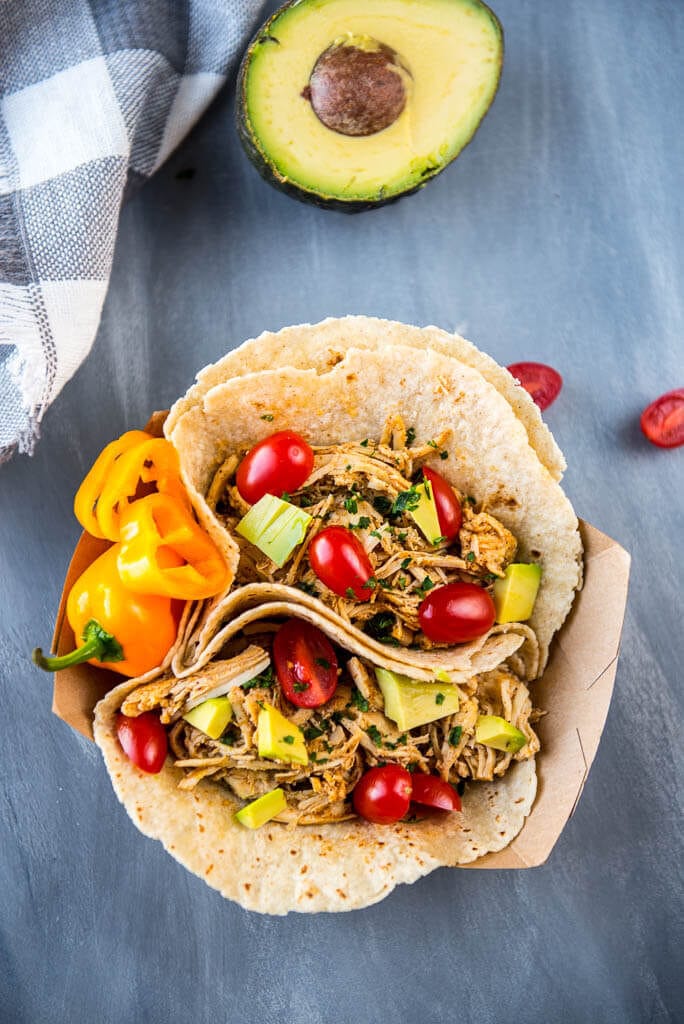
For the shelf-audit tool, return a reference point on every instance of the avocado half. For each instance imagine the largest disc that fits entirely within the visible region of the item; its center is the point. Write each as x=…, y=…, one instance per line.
x=350, y=104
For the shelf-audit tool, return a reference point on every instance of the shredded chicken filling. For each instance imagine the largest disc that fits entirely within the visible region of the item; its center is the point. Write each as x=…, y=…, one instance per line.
x=369, y=487
x=344, y=738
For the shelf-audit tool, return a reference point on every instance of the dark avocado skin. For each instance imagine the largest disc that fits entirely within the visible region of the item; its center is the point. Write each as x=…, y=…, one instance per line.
x=270, y=173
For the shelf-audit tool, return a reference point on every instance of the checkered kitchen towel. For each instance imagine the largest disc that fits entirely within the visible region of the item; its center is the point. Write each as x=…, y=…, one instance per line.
x=93, y=98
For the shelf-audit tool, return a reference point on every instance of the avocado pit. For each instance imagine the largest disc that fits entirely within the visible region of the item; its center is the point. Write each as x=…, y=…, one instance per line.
x=357, y=87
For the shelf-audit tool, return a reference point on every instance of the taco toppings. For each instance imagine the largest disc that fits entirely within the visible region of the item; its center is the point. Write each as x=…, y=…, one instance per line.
x=372, y=530
x=318, y=754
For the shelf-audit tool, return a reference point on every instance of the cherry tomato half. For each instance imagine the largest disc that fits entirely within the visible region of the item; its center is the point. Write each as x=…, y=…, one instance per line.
x=663, y=421
x=383, y=795
x=143, y=740
x=540, y=381
x=431, y=791
x=448, y=506
x=279, y=463
x=340, y=561
x=305, y=664
x=456, y=613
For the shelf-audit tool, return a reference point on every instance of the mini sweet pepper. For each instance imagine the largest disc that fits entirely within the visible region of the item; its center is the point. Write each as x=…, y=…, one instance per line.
x=88, y=495
x=163, y=550
x=127, y=632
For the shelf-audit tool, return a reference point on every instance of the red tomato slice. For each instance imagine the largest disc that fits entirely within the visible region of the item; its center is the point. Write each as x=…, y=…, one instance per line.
x=431, y=791
x=143, y=740
x=448, y=506
x=383, y=794
x=340, y=561
x=663, y=420
x=456, y=613
x=542, y=382
x=305, y=664
x=280, y=463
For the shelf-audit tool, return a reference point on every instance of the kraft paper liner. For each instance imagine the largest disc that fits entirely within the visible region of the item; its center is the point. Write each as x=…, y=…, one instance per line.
x=575, y=691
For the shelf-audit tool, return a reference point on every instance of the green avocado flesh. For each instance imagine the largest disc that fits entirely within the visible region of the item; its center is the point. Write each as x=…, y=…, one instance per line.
x=260, y=811
x=410, y=703
x=496, y=732
x=278, y=738
x=353, y=103
x=211, y=716
x=274, y=526
x=516, y=592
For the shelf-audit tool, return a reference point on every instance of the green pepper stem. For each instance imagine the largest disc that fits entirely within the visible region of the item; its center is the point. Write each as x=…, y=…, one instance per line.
x=92, y=648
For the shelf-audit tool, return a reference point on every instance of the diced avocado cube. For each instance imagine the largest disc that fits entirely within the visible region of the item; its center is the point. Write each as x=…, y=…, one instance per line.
x=411, y=703
x=211, y=716
x=425, y=514
x=274, y=526
x=262, y=809
x=516, y=592
x=498, y=733
x=279, y=739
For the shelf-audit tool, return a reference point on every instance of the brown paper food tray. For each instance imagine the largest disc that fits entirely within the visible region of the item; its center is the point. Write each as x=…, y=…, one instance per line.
x=575, y=690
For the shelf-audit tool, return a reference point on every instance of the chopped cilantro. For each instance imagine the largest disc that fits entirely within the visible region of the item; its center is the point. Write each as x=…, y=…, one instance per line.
x=358, y=700
x=444, y=455
x=265, y=680
x=427, y=584
x=312, y=732
x=350, y=593
x=410, y=436
x=364, y=443
x=350, y=504
x=490, y=577
x=371, y=583
x=285, y=496
x=411, y=767
x=375, y=533
x=362, y=523
x=401, y=582
x=439, y=540
x=439, y=698
x=455, y=735
x=433, y=444
x=323, y=662
x=348, y=467
x=406, y=562
x=268, y=417
x=401, y=537
x=300, y=687
x=375, y=735
x=385, y=584
x=470, y=557
x=405, y=501
x=289, y=740
x=380, y=625
x=308, y=588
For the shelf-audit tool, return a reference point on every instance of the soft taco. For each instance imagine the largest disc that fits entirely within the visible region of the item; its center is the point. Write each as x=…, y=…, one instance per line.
x=398, y=441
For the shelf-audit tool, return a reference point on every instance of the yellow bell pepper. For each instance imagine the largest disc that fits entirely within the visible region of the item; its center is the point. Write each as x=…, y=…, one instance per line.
x=152, y=463
x=89, y=493
x=164, y=550
x=129, y=633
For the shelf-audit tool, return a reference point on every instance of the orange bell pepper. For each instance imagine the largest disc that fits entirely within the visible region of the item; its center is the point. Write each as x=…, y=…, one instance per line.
x=129, y=633
x=90, y=491
x=164, y=550
x=154, y=462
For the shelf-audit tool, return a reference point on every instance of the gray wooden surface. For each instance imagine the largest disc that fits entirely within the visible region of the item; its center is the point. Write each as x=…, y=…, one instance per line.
x=557, y=236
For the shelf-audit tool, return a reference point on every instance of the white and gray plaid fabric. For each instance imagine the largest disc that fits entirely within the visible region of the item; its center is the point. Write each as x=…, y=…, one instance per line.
x=94, y=96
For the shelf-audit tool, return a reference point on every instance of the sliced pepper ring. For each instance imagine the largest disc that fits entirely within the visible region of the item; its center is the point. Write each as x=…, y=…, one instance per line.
x=87, y=499
x=153, y=462
x=165, y=551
